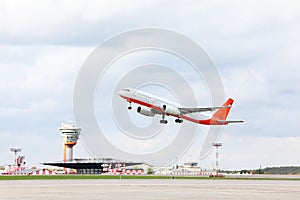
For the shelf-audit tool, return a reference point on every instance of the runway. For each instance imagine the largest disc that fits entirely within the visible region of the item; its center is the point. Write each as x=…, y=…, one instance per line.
x=150, y=189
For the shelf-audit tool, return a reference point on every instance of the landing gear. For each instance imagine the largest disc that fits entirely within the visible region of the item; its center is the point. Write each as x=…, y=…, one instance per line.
x=129, y=107
x=163, y=120
x=178, y=120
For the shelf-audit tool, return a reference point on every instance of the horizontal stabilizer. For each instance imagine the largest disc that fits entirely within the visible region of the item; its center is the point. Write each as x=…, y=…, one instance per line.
x=231, y=121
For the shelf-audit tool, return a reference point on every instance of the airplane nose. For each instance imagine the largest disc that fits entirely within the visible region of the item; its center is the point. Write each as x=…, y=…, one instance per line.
x=125, y=93
x=121, y=93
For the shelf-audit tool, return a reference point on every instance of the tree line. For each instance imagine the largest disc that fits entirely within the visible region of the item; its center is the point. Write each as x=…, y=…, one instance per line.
x=267, y=170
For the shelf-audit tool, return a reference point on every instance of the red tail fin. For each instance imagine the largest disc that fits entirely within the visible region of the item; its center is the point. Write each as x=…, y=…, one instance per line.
x=222, y=113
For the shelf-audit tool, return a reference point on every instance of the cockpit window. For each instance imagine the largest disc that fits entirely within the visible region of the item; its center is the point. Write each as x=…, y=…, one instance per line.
x=126, y=90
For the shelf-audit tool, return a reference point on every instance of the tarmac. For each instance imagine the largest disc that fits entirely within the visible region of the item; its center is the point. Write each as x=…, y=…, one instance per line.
x=150, y=189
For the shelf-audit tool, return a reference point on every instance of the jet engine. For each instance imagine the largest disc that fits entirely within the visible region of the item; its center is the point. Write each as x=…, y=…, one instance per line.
x=171, y=110
x=145, y=112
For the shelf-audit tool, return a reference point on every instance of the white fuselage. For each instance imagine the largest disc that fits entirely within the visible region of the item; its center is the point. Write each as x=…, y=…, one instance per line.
x=157, y=105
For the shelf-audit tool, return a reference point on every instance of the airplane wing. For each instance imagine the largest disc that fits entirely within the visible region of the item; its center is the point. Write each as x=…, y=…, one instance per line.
x=203, y=109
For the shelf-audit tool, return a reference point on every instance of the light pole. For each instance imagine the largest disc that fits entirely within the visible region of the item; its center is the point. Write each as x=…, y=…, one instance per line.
x=15, y=150
x=217, y=145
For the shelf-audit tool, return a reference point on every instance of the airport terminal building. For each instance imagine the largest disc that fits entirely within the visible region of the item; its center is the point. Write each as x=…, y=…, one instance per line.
x=93, y=165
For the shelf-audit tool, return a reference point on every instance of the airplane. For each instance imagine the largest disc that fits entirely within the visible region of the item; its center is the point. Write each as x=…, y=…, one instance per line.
x=157, y=105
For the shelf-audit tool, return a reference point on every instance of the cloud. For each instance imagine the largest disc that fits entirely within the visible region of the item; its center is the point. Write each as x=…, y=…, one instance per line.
x=40, y=89
x=62, y=22
x=254, y=44
x=255, y=152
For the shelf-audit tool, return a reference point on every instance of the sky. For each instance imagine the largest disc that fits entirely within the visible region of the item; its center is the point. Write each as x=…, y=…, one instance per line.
x=254, y=45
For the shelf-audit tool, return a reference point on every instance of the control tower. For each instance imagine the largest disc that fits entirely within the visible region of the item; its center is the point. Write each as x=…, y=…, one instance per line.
x=70, y=134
